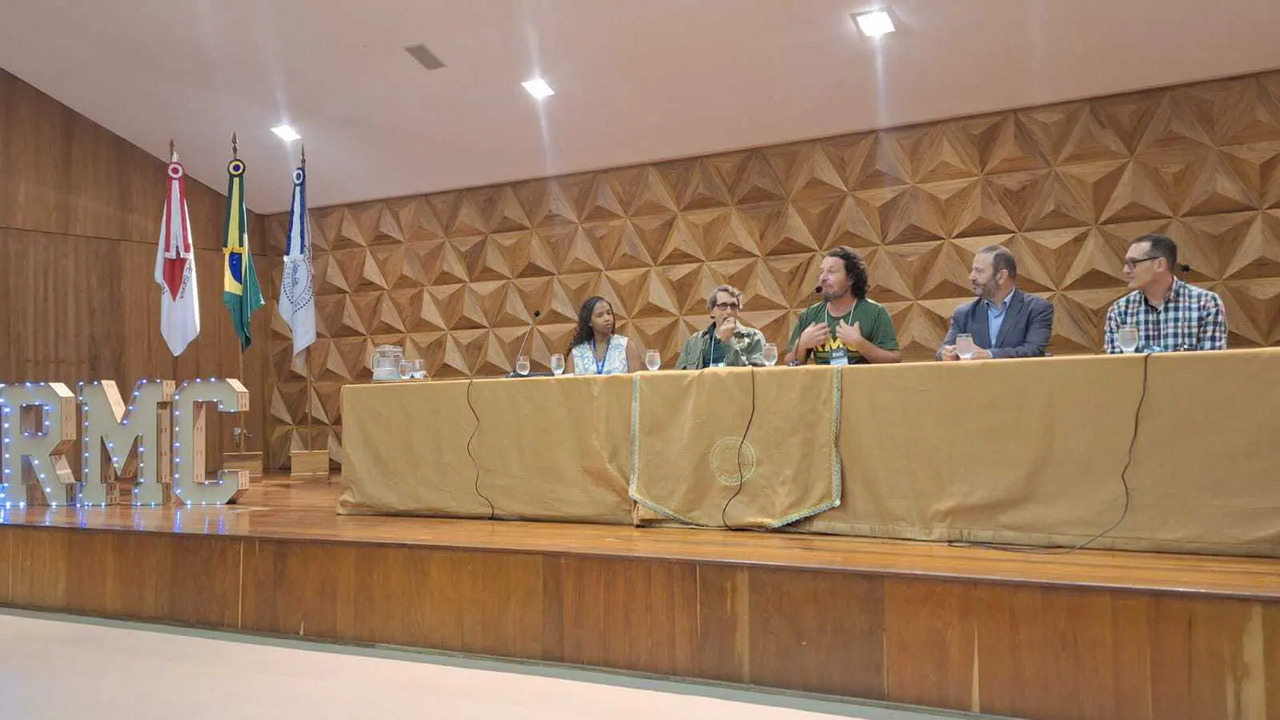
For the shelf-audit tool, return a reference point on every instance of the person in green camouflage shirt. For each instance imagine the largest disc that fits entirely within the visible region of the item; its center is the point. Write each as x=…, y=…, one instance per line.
x=726, y=342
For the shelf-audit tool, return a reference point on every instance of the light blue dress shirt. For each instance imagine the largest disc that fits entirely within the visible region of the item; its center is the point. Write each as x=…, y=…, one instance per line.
x=995, y=317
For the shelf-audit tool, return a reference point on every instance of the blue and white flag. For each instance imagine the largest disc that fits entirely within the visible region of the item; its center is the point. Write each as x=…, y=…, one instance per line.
x=297, y=287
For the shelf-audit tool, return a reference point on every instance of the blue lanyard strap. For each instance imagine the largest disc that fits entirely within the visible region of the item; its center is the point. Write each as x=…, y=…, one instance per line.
x=601, y=361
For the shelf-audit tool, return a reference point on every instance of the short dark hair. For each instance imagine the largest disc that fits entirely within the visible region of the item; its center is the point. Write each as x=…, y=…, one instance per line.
x=1001, y=259
x=854, y=267
x=1161, y=246
x=735, y=292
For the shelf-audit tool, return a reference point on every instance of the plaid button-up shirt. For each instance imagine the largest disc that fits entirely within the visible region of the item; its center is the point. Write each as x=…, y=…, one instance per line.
x=1192, y=319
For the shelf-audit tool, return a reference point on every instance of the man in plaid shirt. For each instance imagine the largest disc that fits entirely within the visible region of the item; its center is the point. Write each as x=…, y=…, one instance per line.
x=1168, y=313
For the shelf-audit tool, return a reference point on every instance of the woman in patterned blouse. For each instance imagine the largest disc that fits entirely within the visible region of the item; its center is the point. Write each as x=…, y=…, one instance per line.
x=595, y=349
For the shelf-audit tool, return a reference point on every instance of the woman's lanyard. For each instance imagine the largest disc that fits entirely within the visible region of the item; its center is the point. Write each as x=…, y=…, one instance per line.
x=599, y=362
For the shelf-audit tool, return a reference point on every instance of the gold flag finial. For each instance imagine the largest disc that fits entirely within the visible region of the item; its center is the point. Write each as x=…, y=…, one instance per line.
x=173, y=153
x=304, y=156
x=235, y=147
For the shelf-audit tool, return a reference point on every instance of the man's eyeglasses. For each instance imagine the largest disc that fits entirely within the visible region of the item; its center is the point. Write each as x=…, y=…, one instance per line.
x=1131, y=264
x=728, y=306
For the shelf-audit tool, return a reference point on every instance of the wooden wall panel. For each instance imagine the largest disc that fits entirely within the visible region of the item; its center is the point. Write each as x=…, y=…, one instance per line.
x=469, y=581
x=441, y=599
x=79, y=220
x=38, y=564
x=454, y=277
x=636, y=616
x=305, y=589
x=817, y=632
x=1006, y=648
x=1271, y=656
x=1025, y=635
x=1109, y=654
x=933, y=640
x=6, y=574
x=154, y=577
x=724, y=650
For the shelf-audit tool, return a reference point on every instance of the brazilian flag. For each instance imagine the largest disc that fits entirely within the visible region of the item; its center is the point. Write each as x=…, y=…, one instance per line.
x=240, y=291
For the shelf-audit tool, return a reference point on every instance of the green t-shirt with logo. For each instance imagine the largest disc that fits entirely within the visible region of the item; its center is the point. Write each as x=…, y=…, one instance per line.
x=876, y=326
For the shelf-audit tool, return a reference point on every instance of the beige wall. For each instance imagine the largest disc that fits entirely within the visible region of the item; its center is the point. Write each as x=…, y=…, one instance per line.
x=79, y=220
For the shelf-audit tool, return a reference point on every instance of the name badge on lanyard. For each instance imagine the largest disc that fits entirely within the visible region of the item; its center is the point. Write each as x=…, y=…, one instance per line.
x=840, y=355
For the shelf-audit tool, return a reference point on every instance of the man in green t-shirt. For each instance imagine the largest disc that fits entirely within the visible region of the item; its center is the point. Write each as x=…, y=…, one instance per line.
x=846, y=327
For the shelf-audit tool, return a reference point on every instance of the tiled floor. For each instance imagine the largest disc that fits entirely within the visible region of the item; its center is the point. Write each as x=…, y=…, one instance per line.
x=60, y=668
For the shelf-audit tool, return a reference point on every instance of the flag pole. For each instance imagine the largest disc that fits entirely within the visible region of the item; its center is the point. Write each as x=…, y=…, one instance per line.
x=242, y=434
x=306, y=370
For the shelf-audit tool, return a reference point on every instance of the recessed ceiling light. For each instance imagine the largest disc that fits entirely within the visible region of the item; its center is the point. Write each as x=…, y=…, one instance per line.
x=538, y=88
x=286, y=133
x=875, y=23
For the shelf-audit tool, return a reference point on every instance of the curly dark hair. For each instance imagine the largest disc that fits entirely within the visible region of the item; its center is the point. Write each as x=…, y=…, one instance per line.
x=854, y=267
x=584, y=333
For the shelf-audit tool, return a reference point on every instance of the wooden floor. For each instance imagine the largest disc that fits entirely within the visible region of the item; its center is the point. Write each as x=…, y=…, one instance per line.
x=304, y=511
x=1090, y=634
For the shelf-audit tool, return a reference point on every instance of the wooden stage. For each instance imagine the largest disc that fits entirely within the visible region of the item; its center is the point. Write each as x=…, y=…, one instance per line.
x=1090, y=634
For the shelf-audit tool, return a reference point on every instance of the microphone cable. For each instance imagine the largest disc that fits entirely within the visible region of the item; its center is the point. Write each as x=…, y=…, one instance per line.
x=742, y=477
x=476, y=463
x=1124, y=482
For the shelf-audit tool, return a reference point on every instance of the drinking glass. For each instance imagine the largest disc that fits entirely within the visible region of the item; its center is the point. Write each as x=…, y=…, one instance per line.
x=652, y=360
x=964, y=346
x=404, y=368
x=557, y=363
x=522, y=365
x=418, y=369
x=770, y=354
x=1128, y=338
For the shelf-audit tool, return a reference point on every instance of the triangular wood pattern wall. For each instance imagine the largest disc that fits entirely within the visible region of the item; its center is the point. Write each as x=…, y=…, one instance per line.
x=454, y=277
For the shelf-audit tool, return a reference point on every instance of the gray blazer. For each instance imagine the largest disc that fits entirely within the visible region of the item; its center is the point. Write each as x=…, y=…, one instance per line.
x=1024, y=333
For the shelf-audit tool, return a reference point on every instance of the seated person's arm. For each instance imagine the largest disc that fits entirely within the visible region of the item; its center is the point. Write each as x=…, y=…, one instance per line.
x=751, y=352
x=876, y=354
x=686, y=360
x=1213, y=330
x=634, y=361
x=878, y=343
x=805, y=339
x=948, y=349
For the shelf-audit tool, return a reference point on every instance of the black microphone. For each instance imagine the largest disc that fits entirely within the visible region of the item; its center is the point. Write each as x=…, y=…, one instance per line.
x=1185, y=268
x=703, y=360
x=523, y=343
x=817, y=290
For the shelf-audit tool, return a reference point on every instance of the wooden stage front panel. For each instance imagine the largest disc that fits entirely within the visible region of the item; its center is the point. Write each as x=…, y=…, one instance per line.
x=1087, y=635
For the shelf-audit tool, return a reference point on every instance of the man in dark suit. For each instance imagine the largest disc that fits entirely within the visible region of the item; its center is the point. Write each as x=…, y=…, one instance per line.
x=1020, y=323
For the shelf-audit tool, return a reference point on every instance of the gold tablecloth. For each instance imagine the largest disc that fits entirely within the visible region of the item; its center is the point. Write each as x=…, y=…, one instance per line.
x=691, y=461
x=544, y=449
x=1009, y=451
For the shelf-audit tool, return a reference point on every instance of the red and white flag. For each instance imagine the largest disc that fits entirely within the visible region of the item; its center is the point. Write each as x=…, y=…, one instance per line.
x=176, y=267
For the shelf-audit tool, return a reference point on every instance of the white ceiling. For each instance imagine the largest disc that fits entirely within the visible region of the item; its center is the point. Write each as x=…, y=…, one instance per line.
x=636, y=80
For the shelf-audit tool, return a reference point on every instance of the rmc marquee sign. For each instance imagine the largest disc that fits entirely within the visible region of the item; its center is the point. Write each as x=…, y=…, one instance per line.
x=158, y=438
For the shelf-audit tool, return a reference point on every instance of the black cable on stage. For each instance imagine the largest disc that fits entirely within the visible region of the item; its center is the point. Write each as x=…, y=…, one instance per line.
x=742, y=478
x=474, y=462
x=1124, y=481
